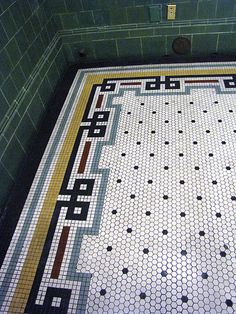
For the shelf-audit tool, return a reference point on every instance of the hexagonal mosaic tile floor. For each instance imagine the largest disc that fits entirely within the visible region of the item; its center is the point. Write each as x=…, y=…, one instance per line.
x=132, y=209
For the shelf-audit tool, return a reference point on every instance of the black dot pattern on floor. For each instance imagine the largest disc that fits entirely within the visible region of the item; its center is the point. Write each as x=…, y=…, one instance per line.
x=145, y=218
x=175, y=202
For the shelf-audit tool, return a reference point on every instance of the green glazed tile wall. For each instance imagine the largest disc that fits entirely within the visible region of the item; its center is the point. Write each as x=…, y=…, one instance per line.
x=38, y=39
x=125, y=28
x=89, y=13
x=29, y=60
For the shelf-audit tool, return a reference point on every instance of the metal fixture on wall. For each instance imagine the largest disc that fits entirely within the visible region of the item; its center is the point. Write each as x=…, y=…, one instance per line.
x=181, y=45
x=82, y=52
x=171, y=11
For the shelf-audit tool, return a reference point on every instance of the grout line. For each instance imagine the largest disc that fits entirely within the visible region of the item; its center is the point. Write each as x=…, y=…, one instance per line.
x=117, y=50
x=7, y=170
x=7, y=8
x=217, y=42
x=20, y=144
x=141, y=46
x=216, y=7
x=26, y=110
x=191, y=43
x=93, y=17
x=166, y=44
x=26, y=21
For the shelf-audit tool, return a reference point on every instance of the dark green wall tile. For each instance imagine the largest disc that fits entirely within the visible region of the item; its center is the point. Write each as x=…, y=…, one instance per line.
x=33, y=53
x=44, y=39
x=192, y=29
x=24, y=103
x=6, y=183
x=9, y=90
x=22, y=41
x=138, y=14
x=3, y=105
x=42, y=17
x=13, y=51
x=26, y=31
x=87, y=36
x=234, y=27
x=206, y=9
x=6, y=4
x=129, y=47
x=44, y=68
x=41, y=44
x=26, y=64
x=107, y=4
x=19, y=76
x=227, y=43
x=69, y=53
x=167, y=30
x=36, y=110
x=116, y=34
x=34, y=5
x=125, y=3
x=101, y=17
x=24, y=131
x=204, y=44
x=13, y=157
x=85, y=19
x=58, y=21
x=105, y=49
x=3, y=36
x=60, y=61
x=29, y=32
x=144, y=2
x=218, y=28
x=153, y=46
x=11, y=126
x=225, y=8
x=53, y=75
x=51, y=28
x=17, y=15
x=69, y=20
x=90, y=4
x=141, y=33
x=186, y=10
x=56, y=6
x=35, y=23
x=3, y=144
x=45, y=90
x=118, y=16
x=71, y=39
x=35, y=84
x=74, y=6
x=25, y=9
x=8, y=23
x=5, y=62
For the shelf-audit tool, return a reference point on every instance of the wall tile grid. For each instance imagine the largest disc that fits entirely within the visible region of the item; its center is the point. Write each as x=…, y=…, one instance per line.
x=123, y=28
x=37, y=44
x=31, y=64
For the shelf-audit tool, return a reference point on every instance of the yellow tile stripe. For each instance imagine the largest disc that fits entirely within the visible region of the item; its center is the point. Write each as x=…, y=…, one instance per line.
x=29, y=268
x=32, y=259
x=97, y=78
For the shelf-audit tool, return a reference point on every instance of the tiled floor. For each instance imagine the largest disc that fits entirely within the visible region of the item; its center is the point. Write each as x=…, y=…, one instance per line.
x=133, y=207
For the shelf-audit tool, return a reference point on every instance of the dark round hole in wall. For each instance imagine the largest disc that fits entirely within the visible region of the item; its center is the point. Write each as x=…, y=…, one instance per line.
x=181, y=45
x=82, y=52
